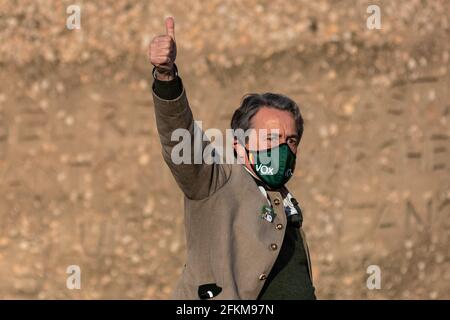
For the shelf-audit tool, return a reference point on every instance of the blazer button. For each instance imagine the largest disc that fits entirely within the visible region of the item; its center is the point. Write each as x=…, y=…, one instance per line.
x=276, y=201
x=279, y=226
x=273, y=246
x=262, y=276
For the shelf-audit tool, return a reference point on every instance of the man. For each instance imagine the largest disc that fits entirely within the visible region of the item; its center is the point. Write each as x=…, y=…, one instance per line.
x=243, y=227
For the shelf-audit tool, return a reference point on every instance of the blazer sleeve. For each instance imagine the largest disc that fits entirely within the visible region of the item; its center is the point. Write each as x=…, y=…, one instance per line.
x=196, y=180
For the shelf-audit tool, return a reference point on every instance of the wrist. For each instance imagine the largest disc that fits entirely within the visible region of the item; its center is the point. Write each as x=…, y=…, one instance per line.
x=165, y=74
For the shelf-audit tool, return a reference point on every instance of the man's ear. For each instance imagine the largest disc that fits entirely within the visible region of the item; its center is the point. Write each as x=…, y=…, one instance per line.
x=239, y=150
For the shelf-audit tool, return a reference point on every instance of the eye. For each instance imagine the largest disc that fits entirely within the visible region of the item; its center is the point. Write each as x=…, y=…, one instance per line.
x=271, y=139
x=292, y=141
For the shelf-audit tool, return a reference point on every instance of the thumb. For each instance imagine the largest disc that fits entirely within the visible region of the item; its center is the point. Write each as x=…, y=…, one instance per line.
x=170, y=27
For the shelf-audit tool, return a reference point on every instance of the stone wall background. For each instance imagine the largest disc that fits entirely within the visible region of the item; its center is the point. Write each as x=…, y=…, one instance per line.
x=82, y=179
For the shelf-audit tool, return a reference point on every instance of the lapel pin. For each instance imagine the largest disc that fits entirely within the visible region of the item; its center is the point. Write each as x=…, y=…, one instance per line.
x=267, y=213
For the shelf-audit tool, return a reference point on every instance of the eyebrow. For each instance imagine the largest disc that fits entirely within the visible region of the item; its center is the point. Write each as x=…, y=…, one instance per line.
x=287, y=137
x=292, y=136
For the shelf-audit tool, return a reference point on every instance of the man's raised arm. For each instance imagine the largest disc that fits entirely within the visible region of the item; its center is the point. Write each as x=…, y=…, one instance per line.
x=172, y=112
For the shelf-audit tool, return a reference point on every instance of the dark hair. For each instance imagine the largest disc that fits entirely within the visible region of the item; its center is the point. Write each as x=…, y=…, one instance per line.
x=252, y=102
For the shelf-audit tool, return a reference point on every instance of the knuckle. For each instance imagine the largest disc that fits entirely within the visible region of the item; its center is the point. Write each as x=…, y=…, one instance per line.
x=156, y=59
x=155, y=39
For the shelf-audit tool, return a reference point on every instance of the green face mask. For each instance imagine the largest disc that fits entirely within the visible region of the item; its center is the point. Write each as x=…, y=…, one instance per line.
x=274, y=166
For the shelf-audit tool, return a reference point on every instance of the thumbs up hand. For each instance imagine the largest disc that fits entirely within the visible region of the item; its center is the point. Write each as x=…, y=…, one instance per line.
x=163, y=52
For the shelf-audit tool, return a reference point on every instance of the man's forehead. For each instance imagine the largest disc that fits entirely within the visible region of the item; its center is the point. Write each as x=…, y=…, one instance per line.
x=272, y=132
x=270, y=118
x=266, y=131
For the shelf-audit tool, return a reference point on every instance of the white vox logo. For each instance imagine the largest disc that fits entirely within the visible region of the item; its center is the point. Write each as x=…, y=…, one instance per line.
x=74, y=20
x=74, y=280
x=374, y=20
x=265, y=170
x=374, y=280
